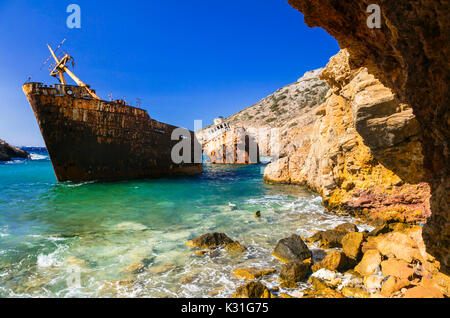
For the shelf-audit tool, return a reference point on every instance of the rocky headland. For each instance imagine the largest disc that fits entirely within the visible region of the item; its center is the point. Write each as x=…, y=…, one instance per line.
x=7, y=152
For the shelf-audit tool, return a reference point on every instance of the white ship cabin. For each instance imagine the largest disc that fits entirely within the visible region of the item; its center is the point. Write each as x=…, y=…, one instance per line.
x=220, y=127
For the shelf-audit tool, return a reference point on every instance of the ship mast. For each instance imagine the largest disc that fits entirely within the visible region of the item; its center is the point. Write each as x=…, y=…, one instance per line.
x=61, y=68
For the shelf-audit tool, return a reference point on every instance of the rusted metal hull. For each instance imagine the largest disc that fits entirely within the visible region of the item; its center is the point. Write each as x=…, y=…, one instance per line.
x=90, y=139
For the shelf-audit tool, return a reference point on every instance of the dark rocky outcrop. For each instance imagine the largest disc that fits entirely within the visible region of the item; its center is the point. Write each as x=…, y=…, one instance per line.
x=292, y=249
x=7, y=152
x=408, y=54
x=210, y=240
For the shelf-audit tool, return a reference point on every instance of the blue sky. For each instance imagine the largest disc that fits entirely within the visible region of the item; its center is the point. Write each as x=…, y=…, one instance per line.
x=185, y=60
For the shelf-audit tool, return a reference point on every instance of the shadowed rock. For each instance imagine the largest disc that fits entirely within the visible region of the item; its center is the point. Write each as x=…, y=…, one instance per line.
x=292, y=249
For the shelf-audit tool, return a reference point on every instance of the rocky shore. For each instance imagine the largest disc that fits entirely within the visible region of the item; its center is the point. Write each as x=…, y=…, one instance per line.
x=388, y=262
x=7, y=152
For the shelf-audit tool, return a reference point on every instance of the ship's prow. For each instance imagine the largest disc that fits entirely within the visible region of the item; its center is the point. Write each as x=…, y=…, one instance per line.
x=91, y=139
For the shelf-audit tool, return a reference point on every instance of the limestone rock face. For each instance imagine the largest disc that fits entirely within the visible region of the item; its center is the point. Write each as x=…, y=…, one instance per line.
x=235, y=146
x=408, y=54
x=7, y=152
x=360, y=150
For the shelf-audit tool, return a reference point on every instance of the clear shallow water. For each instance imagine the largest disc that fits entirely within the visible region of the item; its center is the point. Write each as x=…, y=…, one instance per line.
x=52, y=232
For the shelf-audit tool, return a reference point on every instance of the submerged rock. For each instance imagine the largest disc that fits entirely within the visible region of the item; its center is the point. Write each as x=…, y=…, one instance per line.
x=210, y=240
x=134, y=268
x=162, y=269
x=251, y=273
x=292, y=249
x=252, y=290
x=235, y=248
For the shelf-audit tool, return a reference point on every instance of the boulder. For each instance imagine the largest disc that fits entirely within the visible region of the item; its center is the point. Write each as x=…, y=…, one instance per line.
x=369, y=264
x=400, y=245
x=393, y=285
x=329, y=238
x=252, y=290
x=292, y=249
x=210, y=240
x=294, y=271
x=352, y=244
x=397, y=268
x=251, y=273
x=423, y=292
x=334, y=261
x=347, y=227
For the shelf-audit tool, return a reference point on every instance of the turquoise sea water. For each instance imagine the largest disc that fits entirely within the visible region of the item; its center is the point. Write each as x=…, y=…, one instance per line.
x=77, y=240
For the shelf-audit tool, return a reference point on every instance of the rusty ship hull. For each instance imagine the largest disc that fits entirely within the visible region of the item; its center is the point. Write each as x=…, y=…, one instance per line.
x=89, y=139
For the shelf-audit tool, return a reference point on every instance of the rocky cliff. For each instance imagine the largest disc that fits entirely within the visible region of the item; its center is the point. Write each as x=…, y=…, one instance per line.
x=7, y=152
x=408, y=54
x=344, y=147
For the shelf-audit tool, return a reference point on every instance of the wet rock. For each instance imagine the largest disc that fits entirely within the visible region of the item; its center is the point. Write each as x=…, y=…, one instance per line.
x=397, y=268
x=347, y=227
x=369, y=264
x=352, y=244
x=210, y=240
x=334, y=261
x=354, y=292
x=251, y=273
x=235, y=248
x=252, y=290
x=288, y=285
x=292, y=249
x=294, y=271
x=423, y=292
x=329, y=238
